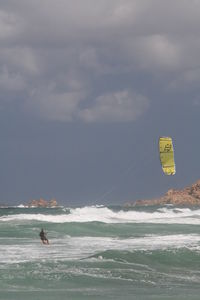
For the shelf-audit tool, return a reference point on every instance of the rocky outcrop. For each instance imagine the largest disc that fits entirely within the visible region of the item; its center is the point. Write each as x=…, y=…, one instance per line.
x=43, y=203
x=53, y=203
x=189, y=196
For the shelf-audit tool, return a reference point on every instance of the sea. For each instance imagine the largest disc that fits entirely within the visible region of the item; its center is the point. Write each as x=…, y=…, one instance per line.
x=100, y=252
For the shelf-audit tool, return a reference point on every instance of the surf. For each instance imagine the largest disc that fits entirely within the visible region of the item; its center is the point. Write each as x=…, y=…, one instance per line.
x=165, y=215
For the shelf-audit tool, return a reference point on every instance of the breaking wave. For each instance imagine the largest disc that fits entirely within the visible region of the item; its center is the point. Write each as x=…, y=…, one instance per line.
x=165, y=215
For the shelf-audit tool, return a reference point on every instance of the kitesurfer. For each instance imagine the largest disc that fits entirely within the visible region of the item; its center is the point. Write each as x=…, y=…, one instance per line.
x=43, y=237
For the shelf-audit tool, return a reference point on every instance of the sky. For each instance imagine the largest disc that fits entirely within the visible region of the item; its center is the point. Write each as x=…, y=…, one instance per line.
x=86, y=90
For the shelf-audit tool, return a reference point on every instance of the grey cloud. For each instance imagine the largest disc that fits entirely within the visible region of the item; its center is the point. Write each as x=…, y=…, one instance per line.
x=187, y=80
x=11, y=82
x=9, y=25
x=73, y=46
x=20, y=60
x=54, y=105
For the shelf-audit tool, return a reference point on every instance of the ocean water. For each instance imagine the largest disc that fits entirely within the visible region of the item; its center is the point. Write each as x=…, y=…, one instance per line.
x=99, y=252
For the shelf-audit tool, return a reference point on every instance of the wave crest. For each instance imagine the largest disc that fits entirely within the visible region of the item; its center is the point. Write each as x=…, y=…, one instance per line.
x=106, y=215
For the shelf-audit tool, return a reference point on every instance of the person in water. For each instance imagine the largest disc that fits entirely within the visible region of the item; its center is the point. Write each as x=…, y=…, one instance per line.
x=43, y=237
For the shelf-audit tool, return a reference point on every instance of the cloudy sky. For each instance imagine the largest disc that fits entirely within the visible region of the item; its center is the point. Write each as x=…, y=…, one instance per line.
x=86, y=89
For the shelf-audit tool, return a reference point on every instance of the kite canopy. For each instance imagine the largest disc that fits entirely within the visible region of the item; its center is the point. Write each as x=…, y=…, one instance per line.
x=167, y=155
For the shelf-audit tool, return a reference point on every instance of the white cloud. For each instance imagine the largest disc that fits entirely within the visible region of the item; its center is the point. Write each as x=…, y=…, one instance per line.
x=157, y=52
x=120, y=106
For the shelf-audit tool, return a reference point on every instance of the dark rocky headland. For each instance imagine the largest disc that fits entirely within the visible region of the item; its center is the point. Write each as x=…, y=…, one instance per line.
x=188, y=196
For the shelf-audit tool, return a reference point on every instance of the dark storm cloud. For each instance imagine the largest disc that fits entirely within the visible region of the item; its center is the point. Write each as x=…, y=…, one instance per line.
x=56, y=54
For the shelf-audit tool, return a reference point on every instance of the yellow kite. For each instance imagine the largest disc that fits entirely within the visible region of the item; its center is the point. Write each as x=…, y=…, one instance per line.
x=167, y=155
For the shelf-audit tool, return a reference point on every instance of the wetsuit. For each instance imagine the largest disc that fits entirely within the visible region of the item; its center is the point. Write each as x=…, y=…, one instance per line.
x=43, y=237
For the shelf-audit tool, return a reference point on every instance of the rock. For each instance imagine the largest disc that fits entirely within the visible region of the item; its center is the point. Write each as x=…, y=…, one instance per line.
x=53, y=203
x=43, y=203
x=189, y=196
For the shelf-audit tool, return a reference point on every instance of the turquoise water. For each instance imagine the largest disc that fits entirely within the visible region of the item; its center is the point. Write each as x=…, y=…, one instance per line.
x=100, y=252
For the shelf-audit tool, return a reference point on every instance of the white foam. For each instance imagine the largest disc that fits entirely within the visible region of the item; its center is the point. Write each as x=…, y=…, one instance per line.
x=103, y=214
x=73, y=248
